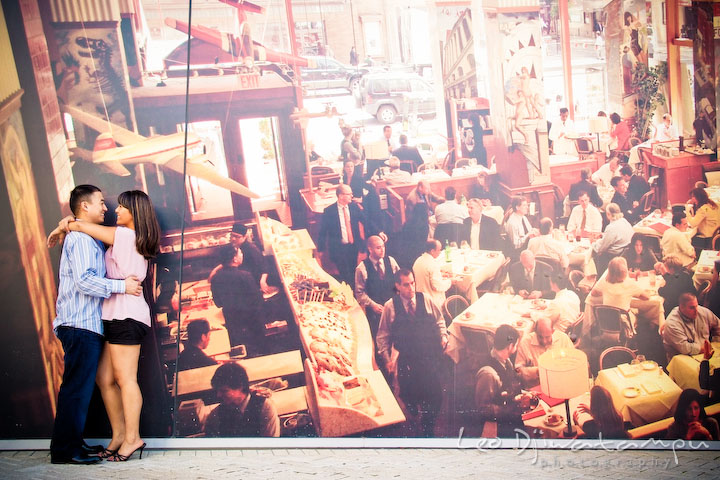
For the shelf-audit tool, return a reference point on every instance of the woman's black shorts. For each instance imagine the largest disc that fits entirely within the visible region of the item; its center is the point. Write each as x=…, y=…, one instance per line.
x=125, y=332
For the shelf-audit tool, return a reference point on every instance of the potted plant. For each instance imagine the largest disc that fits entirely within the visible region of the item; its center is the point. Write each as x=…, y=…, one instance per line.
x=647, y=84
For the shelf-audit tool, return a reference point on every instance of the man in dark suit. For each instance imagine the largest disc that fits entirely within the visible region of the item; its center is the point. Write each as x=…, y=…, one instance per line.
x=340, y=234
x=405, y=152
x=637, y=185
x=530, y=279
x=485, y=229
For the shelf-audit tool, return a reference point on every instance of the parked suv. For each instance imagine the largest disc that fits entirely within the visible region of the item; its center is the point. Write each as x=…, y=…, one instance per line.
x=326, y=72
x=384, y=95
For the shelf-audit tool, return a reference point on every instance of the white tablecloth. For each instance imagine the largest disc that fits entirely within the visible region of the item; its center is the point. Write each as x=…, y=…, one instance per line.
x=645, y=407
x=704, y=266
x=471, y=268
x=685, y=369
x=489, y=312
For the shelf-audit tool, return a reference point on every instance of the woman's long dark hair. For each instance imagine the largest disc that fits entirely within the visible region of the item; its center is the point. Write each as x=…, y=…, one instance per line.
x=603, y=411
x=147, y=229
x=686, y=398
x=702, y=198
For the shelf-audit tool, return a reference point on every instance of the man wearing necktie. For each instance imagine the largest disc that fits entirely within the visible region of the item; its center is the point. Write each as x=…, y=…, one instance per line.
x=413, y=326
x=341, y=234
x=531, y=279
x=374, y=281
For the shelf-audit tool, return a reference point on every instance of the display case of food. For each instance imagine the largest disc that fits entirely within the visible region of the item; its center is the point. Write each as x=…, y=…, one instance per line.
x=275, y=233
x=346, y=393
x=196, y=240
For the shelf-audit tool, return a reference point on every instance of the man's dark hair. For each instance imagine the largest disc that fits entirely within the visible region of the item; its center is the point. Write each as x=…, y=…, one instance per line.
x=403, y=139
x=430, y=245
x=615, y=180
x=231, y=375
x=505, y=335
x=546, y=225
x=585, y=174
x=226, y=254
x=196, y=329
x=386, y=127
x=403, y=272
x=626, y=170
x=239, y=228
x=79, y=194
x=563, y=110
x=450, y=193
x=677, y=218
x=615, y=118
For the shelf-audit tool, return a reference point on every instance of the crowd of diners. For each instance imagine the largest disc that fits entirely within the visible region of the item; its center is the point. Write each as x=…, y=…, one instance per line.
x=398, y=280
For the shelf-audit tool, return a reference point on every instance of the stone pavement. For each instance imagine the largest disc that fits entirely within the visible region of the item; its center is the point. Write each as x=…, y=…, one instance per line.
x=300, y=464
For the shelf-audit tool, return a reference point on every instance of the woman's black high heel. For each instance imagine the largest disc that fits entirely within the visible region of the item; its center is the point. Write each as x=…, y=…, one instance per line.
x=117, y=457
x=107, y=453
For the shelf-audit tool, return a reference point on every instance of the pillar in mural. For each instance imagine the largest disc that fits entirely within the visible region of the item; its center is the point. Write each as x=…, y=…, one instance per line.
x=517, y=94
x=704, y=66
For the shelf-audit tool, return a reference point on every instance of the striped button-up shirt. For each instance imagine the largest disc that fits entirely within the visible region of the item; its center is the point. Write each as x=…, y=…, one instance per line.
x=83, y=284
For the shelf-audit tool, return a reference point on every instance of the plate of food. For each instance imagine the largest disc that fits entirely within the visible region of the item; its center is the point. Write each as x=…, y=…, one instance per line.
x=553, y=420
x=631, y=392
x=649, y=365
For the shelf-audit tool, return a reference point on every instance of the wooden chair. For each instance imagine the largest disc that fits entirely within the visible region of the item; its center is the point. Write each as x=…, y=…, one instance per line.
x=612, y=325
x=423, y=167
x=407, y=165
x=703, y=291
x=574, y=330
x=647, y=202
x=559, y=199
x=462, y=162
x=614, y=356
x=715, y=243
x=454, y=305
x=495, y=283
x=553, y=263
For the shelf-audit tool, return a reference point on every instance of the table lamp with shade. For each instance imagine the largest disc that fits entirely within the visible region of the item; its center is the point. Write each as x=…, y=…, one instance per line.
x=564, y=375
x=598, y=125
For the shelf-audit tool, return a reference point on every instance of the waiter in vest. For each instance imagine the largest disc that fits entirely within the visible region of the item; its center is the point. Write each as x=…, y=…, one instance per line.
x=374, y=281
x=414, y=327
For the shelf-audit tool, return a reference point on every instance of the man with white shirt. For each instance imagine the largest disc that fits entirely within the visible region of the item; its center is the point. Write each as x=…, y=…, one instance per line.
x=374, y=281
x=617, y=236
x=387, y=137
x=559, y=132
x=606, y=172
x=676, y=241
x=396, y=175
x=546, y=245
x=542, y=339
x=517, y=226
x=665, y=131
x=413, y=326
x=481, y=231
x=584, y=217
x=450, y=211
x=429, y=279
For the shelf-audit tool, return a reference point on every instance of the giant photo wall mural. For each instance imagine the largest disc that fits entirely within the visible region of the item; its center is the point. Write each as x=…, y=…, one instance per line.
x=238, y=286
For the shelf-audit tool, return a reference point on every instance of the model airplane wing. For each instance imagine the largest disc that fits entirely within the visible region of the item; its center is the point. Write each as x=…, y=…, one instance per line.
x=121, y=135
x=196, y=167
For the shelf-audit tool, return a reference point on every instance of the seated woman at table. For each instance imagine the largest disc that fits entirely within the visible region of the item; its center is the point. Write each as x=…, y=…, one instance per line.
x=691, y=421
x=706, y=219
x=639, y=257
x=600, y=419
x=617, y=290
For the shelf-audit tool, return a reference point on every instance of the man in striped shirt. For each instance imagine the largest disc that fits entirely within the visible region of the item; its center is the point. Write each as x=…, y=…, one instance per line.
x=78, y=326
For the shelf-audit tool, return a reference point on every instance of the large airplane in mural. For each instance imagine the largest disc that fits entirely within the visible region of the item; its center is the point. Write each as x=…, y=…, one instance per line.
x=167, y=151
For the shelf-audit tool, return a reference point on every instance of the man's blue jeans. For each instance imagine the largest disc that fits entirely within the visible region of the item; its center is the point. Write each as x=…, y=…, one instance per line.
x=82, y=353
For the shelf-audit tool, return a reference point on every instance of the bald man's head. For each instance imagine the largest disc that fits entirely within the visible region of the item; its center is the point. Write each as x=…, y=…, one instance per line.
x=376, y=248
x=544, y=331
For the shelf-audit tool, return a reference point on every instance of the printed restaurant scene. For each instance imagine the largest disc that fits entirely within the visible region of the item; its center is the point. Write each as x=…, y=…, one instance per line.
x=365, y=219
